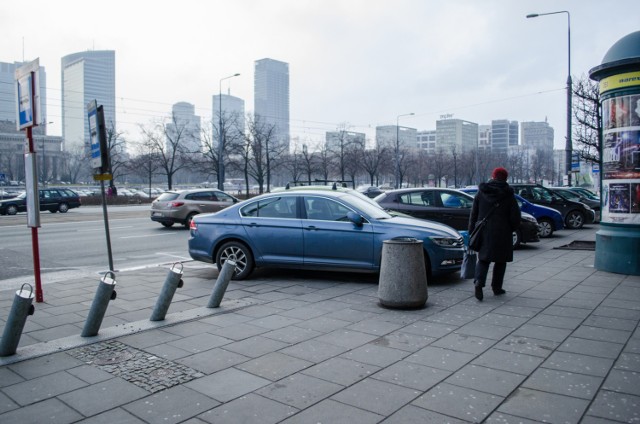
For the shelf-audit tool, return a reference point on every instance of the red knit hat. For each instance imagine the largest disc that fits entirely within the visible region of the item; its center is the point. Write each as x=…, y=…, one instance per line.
x=499, y=174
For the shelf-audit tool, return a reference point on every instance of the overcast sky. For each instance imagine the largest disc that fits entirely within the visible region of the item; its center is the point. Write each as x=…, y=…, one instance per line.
x=359, y=62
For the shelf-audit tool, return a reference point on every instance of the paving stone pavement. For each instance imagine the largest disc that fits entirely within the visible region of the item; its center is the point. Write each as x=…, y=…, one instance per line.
x=562, y=346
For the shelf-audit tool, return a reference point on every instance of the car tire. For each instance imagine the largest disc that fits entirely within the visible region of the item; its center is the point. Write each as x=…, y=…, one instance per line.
x=53, y=210
x=12, y=210
x=517, y=239
x=167, y=224
x=546, y=227
x=187, y=221
x=574, y=220
x=63, y=208
x=241, y=254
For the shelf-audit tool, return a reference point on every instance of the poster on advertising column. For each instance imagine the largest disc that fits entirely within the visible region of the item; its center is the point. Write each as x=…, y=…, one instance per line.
x=621, y=160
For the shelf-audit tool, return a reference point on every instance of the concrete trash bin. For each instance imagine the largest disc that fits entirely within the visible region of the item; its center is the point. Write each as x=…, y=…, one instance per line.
x=403, y=276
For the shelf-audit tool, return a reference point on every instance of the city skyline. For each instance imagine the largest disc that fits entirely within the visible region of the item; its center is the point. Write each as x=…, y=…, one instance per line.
x=361, y=63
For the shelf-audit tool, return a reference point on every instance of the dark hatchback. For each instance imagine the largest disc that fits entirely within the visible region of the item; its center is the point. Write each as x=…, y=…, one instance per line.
x=51, y=199
x=448, y=206
x=575, y=214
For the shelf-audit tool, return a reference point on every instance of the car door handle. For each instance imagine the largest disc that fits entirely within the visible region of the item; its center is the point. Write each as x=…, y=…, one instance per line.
x=312, y=228
x=253, y=224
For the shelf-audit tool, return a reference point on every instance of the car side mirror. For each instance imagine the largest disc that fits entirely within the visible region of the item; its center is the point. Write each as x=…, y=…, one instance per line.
x=358, y=220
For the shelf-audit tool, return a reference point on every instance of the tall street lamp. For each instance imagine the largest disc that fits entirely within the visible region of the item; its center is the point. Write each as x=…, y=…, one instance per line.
x=221, y=138
x=397, y=185
x=569, y=145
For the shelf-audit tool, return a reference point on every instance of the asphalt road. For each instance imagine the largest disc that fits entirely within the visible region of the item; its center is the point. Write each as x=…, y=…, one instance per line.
x=75, y=243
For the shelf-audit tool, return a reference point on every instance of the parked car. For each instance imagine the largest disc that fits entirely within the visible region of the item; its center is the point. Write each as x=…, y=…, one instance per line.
x=574, y=214
x=448, y=206
x=315, y=229
x=6, y=195
x=578, y=197
x=585, y=193
x=180, y=206
x=370, y=191
x=549, y=219
x=51, y=199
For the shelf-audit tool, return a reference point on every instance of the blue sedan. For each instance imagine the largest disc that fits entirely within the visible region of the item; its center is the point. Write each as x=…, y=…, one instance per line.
x=313, y=229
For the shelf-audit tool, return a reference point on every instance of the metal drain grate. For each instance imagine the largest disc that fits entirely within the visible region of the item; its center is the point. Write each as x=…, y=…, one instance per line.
x=135, y=366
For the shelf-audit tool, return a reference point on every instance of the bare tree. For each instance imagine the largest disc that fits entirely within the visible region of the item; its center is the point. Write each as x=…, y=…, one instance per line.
x=259, y=152
x=372, y=161
x=308, y=162
x=116, y=147
x=439, y=161
x=339, y=147
x=167, y=145
x=74, y=163
x=588, y=116
x=294, y=164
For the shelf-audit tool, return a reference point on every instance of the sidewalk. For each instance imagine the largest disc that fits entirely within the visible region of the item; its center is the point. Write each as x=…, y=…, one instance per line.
x=291, y=347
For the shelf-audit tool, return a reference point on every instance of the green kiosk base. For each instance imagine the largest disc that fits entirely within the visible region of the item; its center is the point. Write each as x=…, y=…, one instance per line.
x=618, y=249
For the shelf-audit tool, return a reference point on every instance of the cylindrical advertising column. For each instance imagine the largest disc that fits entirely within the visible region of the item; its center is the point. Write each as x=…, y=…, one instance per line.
x=618, y=240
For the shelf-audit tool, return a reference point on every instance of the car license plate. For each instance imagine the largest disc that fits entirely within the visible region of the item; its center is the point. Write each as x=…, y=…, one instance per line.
x=157, y=214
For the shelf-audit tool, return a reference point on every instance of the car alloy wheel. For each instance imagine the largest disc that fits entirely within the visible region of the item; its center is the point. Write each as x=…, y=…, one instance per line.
x=63, y=208
x=239, y=253
x=187, y=222
x=516, y=237
x=546, y=228
x=12, y=210
x=575, y=220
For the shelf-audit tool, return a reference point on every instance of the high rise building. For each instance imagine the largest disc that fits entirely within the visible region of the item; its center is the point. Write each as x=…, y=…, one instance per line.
x=86, y=76
x=184, y=128
x=389, y=135
x=333, y=139
x=8, y=96
x=232, y=116
x=271, y=96
x=484, y=136
x=456, y=132
x=537, y=135
x=426, y=140
x=504, y=133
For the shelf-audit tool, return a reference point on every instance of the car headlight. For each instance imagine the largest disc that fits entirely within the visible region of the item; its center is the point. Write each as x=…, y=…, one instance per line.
x=530, y=219
x=447, y=241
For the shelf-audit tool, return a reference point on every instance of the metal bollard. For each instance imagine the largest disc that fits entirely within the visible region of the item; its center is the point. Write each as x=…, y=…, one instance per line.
x=222, y=283
x=171, y=283
x=104, y=294
x=22, y=306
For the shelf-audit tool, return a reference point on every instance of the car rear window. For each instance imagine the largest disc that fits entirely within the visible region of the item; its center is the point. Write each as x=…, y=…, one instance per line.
x=164, y=197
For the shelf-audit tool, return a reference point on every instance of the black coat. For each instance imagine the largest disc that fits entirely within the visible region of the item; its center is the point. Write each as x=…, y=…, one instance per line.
x=497, y=243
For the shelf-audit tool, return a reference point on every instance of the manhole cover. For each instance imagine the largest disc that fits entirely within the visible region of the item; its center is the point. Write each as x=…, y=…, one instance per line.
x=161, y=373
x=578, y=245
x=111, y=357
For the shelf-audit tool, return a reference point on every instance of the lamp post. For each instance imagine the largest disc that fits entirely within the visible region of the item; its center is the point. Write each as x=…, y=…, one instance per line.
x=221, y=140
x=397, y=176
x=569, y=145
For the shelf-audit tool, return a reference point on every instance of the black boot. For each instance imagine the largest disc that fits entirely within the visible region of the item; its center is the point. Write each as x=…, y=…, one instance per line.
x=498, y=291
x=478, y=292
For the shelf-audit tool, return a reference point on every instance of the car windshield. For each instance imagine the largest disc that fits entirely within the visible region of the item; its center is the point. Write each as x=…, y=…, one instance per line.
x=367, y=206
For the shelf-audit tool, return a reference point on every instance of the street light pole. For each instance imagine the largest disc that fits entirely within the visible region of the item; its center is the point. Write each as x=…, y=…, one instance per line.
x=569, y=144
x=221, y=138
x=397, y=176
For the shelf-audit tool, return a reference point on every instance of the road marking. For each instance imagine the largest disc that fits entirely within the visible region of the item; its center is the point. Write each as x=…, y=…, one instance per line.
x=148, y=235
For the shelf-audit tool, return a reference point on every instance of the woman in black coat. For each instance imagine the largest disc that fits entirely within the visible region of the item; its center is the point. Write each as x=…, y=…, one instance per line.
x=497, y=241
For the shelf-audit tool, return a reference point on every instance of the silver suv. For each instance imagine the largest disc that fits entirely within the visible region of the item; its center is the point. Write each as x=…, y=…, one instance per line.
x=180, y=206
